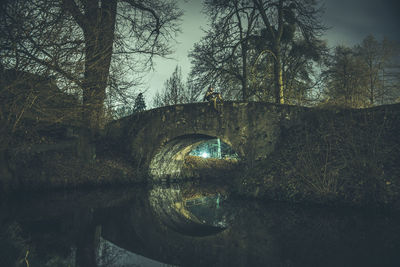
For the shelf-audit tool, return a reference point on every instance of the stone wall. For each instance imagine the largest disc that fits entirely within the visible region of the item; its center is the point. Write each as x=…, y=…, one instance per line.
x=286, y=152
x=157, y=141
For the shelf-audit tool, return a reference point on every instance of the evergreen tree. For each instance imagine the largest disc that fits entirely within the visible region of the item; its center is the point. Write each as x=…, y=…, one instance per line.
x=140, y=105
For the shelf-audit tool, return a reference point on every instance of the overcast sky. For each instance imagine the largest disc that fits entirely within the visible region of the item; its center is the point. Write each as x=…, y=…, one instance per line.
x=350, y=21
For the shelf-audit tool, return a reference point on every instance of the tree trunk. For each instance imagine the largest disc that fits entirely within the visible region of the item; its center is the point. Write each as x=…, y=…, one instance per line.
x=244, y=47
x=87, y=239
x=372, y=91
x=245, y=91
x=99, y=38
x=278, y=79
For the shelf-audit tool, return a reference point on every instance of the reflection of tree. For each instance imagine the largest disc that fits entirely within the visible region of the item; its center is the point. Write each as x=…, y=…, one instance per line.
x=19, y=247
x=56, y=229
x=108, y=255
x=13, y=246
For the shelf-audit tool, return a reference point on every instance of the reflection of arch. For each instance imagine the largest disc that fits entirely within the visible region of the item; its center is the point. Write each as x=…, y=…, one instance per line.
x=170, y=208
x=260, y=232
x=169, y=159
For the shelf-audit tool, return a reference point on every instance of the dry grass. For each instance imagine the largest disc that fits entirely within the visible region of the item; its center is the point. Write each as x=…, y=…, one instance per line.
x=209, y=167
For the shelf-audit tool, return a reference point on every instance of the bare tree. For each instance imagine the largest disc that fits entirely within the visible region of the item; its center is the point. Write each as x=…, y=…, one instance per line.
x=79, y=41
x=173, y=91
x=377, y=58
x=276, y=15
x=346, y=79
x=300, y=64
x=223, y=55
x=255, y=47
x=192, y=92
x=364, y=75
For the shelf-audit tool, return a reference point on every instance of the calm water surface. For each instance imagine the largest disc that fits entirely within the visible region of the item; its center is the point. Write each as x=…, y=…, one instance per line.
x=189, y=225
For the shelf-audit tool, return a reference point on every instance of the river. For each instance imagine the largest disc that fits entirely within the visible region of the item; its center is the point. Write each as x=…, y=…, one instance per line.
x=190, y=224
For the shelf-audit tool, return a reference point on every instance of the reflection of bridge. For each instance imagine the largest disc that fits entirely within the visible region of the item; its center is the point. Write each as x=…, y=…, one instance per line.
x=195, y=201
x=258, y=232
x=171, y=208
x=281, y=235
x=158, y=140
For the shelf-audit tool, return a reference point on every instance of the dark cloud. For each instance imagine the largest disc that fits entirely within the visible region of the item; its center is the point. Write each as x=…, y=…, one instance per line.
x=352, y=20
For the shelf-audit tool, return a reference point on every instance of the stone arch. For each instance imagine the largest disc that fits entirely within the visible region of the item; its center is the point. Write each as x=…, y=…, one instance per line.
x=158, y=139
x=169, y=159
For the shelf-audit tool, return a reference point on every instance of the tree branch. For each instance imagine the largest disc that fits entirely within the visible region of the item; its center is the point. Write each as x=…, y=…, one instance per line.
x=147, y=9
x=80, y=19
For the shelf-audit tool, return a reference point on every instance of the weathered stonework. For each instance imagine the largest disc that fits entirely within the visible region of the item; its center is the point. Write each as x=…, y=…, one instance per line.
x=286, y=152
x=158, y=140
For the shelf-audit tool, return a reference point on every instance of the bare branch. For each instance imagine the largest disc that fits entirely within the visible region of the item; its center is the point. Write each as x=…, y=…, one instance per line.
x=80, y=19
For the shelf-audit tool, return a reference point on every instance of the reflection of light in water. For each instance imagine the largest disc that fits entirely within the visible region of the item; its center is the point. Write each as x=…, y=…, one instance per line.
x=196, y=214
x=208, y=209
x=205, y=155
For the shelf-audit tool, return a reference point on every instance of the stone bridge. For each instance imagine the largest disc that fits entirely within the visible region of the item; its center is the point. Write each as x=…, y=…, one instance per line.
x=157, y=141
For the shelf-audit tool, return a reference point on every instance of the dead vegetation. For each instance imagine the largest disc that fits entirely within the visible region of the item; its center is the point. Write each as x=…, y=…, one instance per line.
x=209, y=167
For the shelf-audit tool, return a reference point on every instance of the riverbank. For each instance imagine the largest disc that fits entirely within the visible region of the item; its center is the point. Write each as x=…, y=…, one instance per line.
x=60, y=157
x=335, y=157
x=323, y=156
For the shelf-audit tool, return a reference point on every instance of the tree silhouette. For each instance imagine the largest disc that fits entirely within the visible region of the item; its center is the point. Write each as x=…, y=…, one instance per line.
x=280, y=18
x=255, y=47
x=223, y=55
x=363, y=75
x=140, y=105
x=346, y=79
x=173, y=91
x=81, y=41
x=376, y=57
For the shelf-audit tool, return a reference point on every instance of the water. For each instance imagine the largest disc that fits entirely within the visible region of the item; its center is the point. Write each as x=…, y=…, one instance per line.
x=189, y=225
